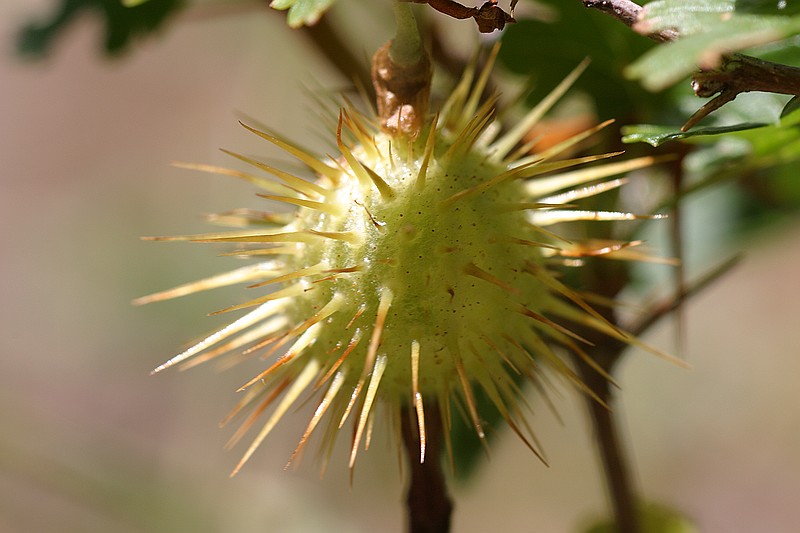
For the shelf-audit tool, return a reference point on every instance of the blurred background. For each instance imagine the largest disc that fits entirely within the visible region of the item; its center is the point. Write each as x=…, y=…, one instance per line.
x=90, y=442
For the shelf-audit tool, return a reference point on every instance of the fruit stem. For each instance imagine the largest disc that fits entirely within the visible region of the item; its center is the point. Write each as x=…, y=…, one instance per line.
x=429, y=505
x=401, y=75
x=406, y=47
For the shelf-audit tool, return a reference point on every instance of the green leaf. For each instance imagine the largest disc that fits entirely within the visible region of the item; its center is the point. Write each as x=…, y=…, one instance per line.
x=753, y=153
x=709, y=30
x=686, y=17
x=791, y=106
x=658, y=135
x=123, y=21
x=698, y=16
x=302, y=12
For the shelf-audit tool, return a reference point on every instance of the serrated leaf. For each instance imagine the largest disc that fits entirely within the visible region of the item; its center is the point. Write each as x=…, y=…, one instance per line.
x=697, y=16
x=686, y=17
x=658, y=135
x=708, y=29
x=302, y=12
x=668, y=64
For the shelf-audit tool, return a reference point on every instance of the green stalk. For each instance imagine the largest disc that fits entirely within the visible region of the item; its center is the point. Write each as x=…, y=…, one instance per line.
x=406, y=48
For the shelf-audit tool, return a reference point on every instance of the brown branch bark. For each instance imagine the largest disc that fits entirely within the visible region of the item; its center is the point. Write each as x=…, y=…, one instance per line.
x=740, y=74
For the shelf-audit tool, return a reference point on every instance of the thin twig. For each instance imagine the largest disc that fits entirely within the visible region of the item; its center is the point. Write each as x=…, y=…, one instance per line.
x=740, y=74
x=677, y=175
x=607, y=353
x=664, y=308
x=629, y=14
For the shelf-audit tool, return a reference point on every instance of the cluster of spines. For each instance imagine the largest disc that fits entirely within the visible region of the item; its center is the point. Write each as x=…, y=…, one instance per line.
x=267, y=326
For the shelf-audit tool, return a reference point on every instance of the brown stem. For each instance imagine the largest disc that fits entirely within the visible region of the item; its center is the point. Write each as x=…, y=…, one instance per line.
x=429, y=506
x=401, y=76
x=612, y=453
x=607, y=280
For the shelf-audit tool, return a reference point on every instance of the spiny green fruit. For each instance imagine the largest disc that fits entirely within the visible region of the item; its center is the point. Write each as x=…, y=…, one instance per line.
x=413, y=271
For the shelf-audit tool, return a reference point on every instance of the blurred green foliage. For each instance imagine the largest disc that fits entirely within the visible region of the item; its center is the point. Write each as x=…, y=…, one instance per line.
x=654, y=518
x=301, y=12
x=122, y=24
x=548, y=49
